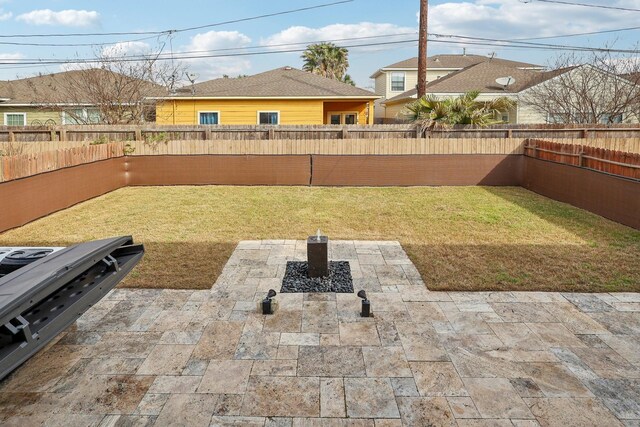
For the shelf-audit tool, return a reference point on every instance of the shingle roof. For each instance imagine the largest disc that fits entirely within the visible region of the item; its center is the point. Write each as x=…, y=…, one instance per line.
x=633, y=77
x=281, y=82
x=56, y=88
x=455, y=62
x=411, y=93
x=482, y=77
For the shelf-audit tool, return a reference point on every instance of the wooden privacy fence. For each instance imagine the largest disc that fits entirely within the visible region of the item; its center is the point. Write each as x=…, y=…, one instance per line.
x=612, y=156
x=610, y=161
x=332, y=147
x=152, y=132
x=26, y=164
x=103, y=133
x=23, y=165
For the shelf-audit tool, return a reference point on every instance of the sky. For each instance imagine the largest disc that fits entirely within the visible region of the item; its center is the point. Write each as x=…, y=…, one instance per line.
x=370, y=22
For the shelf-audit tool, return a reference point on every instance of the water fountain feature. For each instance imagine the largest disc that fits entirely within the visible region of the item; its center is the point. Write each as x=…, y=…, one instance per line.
x=317, y=274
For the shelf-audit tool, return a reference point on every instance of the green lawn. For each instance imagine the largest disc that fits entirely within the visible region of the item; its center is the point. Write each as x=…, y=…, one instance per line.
x=462, y=238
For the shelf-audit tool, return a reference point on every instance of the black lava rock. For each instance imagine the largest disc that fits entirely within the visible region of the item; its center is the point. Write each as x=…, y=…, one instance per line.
x=296, y=278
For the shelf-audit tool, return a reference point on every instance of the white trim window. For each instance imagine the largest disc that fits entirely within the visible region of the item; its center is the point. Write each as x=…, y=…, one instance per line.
x=209, y=117
x=81, y=116
x=268, y=117
x=398, y=82
x=15, y=119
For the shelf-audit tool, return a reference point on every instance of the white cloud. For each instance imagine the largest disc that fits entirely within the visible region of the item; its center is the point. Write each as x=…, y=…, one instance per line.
x=205, y=44
x=11, y=57
x=299, y=34
x=73, y=66
x=5, y=15
x=501, y=19
x=68, y=18
x=126, y=49
x=218, y=40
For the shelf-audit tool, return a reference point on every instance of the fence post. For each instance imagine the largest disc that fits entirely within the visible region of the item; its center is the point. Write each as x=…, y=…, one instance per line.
x=271, y=134
x=509, y=133
x=207, y=134
x=138, y=135
x=63, y=135
x=345, y=133
x=52, y=135
x=12, y=136
x=585, y=133
x=418, y=132
x=581, y=159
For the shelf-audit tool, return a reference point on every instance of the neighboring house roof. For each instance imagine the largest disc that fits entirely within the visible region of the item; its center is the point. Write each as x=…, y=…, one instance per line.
x=452, y=62
x=4, y=91
x=633, y=77
x=66, y=87
x=284, y=82
x=482, y=77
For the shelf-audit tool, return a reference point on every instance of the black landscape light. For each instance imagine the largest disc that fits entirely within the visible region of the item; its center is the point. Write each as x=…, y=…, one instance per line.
x=266, y=303
x=366, y=304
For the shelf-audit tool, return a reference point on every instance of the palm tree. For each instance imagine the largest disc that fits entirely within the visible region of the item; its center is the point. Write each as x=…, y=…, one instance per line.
x=430, y=112
x=348, y=80
x=327, y=60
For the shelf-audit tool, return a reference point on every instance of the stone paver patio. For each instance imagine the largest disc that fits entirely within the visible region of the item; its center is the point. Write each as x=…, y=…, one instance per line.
x=200, y=358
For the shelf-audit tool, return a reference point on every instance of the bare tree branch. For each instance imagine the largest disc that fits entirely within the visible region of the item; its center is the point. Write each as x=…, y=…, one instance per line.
x=599, y=88
x=115, y=92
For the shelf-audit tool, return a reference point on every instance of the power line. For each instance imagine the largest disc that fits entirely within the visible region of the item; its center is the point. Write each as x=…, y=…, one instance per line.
x=124, y=33
x=268, y=15
x=599, y=6
x=241, y=48
x=579, y=34
x=242, y=51
x=305, y=43
x=539, y=45
x=474, y=41
x=78, y=44
x=170, y=31
x=164, y=58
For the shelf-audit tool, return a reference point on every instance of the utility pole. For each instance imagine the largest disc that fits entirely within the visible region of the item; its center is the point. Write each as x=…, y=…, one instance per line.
x=422, y=49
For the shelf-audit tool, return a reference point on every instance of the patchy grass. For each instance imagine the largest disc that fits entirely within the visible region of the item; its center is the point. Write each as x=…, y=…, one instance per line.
x=463, y=238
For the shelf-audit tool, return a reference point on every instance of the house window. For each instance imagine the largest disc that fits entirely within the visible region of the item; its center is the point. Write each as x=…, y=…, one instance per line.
x=504, y=117
x=557, y=118
x=397, y=82
x=616, y=119
x=350, y=119
x=338, y=118
x=15, y=119
x=81, y=116
x=209, y=117
x=268, y=117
